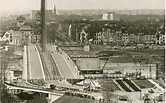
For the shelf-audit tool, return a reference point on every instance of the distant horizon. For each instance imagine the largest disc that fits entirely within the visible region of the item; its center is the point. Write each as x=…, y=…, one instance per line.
x=25, y=5
x=80, y=9
x=29, y=11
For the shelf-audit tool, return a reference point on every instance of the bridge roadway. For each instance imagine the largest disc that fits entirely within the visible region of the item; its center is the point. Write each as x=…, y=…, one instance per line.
x=35, y=64
x=63, y=66
x=34, y=89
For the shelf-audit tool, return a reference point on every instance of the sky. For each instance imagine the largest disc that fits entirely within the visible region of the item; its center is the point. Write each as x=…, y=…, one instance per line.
x=21, y=5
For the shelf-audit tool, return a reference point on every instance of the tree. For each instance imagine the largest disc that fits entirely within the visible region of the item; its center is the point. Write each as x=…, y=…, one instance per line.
x=5, y=58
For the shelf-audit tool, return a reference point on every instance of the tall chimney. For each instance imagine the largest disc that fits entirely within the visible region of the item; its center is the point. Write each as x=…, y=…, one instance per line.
x=43, y=28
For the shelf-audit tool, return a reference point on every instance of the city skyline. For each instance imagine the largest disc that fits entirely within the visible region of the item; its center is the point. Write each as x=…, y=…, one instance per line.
x=22, y=5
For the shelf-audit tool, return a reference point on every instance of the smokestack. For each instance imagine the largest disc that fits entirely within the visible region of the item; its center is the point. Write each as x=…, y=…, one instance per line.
x=43, y=28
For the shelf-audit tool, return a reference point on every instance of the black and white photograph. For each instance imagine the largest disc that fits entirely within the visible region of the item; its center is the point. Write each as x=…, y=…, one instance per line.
x=82, y=51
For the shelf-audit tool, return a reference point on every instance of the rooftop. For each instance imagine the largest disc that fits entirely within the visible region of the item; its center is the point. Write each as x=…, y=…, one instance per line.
x=21, y=18
x=38, y=13
x=85, y=54
x=72, y=45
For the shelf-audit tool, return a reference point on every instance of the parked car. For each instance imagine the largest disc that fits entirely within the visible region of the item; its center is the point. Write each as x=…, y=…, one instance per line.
x=122, y=98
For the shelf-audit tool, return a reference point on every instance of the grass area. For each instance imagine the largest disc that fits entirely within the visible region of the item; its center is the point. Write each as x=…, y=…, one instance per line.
x=74, y=99
x=160, y=83
x=108, y=84
x=121, y=59
x=37, y=98
x=110, y=52
x=99, y=47
x=119, y=56
x=143, y=83
x=152, y=51
x=121, y=83
x=132, y=85
x=110, y=95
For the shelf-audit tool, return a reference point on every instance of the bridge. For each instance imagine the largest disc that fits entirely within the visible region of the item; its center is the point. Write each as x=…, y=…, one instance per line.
x=65, y=65
x=34, y=63
x=52, y=67
x=45, y=64
x=52, y=95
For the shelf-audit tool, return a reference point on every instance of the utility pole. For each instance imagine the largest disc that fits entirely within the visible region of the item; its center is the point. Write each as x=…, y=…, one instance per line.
x=43, y=27
x=150, y=70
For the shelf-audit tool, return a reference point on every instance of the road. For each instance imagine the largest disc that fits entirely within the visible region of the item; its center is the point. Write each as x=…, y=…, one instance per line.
x=63, y=66
x=35, y=68
x=14, y=86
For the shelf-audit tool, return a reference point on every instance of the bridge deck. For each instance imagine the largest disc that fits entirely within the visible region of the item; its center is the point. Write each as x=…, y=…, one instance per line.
x=27, y=88
x=62, y=64
x=35, y=63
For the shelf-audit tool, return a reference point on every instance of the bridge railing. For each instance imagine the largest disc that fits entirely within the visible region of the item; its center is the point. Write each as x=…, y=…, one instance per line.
x=24, y=75
x=46, y=72
x=28, y=63
x=68, y=59
x=56, y=72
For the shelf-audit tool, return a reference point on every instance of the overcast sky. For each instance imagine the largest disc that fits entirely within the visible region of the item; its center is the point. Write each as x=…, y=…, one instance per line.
x=21, y=5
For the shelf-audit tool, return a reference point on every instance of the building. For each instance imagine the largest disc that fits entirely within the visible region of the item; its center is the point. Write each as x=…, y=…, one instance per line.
x=132, y=38
x=109, y=36
x=160, y=37
x=98, y=38
x=38, y=17
x=19, y=37
x=110, y=16
x=16, y=37
x=34, y=12
x=118, y=36
x=87, y=61
x=83, y=36
x=76, y=47
x=20, y=20
x=7, y=37
x=125, y=38
x=15, y=68
x=163, y=39
x=49, y=13
x=149, y=39
x=20, y=32
x=36, y=38
x=27, y=32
